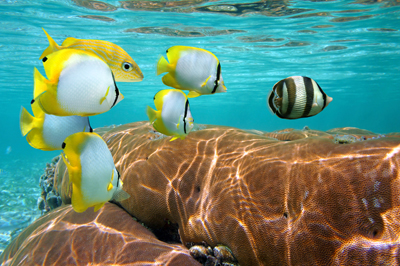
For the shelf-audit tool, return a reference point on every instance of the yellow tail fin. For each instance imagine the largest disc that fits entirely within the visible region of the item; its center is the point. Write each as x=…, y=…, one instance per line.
x=53, y=46
x=152, y=114
x=26, y=121
x=162, y=65
x=40, y=84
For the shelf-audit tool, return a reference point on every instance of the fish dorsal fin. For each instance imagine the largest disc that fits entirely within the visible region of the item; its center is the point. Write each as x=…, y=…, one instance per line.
x=70, y=41
x=205, y=82
x=120, y=195
x=193, y=94
x=105, y=96
x=53, y=46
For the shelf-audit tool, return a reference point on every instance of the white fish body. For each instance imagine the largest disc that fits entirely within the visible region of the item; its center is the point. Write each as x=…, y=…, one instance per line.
x=83, y=83
x=92, y=171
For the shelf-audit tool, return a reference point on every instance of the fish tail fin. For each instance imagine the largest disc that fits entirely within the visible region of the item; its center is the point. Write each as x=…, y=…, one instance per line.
x=162, y=65
x=120, y=195
x=40, y=84
x=152, y=114
x=53, y=46
x=26, y=121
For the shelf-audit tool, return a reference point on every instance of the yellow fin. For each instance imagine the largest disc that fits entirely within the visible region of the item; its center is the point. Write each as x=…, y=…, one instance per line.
x=170, y=81
x=40, y=84
x=193, y=94
x=98, y=206
x=205, y=82
x=105, y=96
x=77, y=199
x=25, y=121
x=174, y=138
x=109, y=187
x=177, y=125
x=53, y=46
x=69, y=41
x=162, y=65
x=48, y=103
x=152, y=114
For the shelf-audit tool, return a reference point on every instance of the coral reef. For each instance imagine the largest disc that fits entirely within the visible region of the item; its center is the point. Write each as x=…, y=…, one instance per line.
x=49, y=199
x=64, y=237
x=289, y=197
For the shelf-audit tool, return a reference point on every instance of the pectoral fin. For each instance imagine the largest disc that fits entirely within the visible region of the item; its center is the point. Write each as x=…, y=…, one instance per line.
x=205, y=82
x=105, y=96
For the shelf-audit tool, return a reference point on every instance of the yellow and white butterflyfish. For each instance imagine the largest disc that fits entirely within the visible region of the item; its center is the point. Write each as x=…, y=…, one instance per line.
x=47, y=132
x=92, y=172
x=79, y=83
x=121, y=63
x=173, y=116
x=193, y=69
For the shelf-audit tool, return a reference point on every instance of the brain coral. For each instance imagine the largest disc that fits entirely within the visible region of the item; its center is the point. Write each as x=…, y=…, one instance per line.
x=303, y=201
x=107, y=237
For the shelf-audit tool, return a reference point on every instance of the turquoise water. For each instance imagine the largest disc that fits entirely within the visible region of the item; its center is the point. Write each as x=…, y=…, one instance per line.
x=351, y=48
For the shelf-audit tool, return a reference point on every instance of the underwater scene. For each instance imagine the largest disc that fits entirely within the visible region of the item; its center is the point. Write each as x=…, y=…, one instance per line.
x=200, y=132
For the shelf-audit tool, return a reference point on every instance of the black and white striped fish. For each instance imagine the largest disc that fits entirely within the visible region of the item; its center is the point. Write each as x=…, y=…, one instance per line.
x=296, y=97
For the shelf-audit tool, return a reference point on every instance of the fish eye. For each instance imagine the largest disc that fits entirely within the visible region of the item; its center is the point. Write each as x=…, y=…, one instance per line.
x=33, y=100
x=127, y=66
x=44, y=59
x=63, y=145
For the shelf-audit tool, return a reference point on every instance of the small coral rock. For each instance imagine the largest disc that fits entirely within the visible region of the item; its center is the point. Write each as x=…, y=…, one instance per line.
x=107, y=237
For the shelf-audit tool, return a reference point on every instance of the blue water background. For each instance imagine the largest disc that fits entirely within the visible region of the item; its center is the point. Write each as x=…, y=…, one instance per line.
x=355, y=62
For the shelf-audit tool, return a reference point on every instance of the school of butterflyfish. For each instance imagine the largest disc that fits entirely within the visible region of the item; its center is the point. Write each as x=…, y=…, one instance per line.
x=80, y=81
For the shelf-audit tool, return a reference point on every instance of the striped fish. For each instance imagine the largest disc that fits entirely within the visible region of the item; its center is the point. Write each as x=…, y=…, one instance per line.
x=296, y=97
x=122, y=65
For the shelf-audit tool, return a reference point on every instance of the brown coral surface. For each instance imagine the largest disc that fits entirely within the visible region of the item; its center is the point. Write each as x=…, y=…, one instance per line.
x=294, y=199
x=108, y=237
